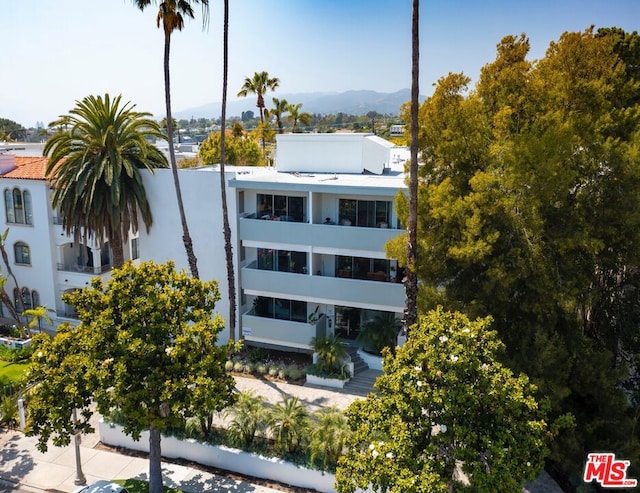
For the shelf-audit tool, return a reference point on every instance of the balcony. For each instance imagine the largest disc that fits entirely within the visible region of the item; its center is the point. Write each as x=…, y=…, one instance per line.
x=280, y=332
x=318, y=235
x=83, y=269
x=386, y=296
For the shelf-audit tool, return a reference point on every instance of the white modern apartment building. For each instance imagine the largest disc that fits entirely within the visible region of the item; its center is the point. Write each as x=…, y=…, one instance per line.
x=308, y=236
x=312, y=234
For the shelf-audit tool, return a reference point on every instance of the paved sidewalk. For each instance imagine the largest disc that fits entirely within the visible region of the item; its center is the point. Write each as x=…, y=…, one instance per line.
x=54, y=471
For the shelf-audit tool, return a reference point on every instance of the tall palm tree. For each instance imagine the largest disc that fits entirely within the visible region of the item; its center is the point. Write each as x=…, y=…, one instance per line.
x=226, y=228
x=95, y=158
x=259, y=85
x=171, y=14
x=296, y=116
x=279, y=109
x=411, y=278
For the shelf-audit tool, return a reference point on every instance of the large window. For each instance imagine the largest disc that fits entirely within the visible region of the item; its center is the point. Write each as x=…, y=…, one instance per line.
x=349, y=320
x=282, y=309
x=281, y=207
x=22, y=253
x=364, y=213
x=282, y=260
x=373, y=269
x=17, y=205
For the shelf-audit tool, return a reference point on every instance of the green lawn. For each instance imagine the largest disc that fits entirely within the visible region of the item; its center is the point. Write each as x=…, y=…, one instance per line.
x=10, y=372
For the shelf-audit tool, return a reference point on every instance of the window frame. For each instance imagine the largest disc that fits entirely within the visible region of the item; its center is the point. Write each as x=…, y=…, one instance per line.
x=19, y=259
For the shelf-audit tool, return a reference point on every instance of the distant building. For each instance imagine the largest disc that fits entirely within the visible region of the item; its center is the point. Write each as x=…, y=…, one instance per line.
x=396, y=130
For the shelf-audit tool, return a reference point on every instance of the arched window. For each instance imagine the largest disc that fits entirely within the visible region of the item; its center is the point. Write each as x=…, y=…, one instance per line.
x=22, y=253
x=26, y=299
x=28, y=210
x=8, y=206
x=17, y=206
x=17, y=300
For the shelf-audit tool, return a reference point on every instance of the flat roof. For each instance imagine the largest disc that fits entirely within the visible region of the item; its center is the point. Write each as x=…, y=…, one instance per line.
x=251, y=177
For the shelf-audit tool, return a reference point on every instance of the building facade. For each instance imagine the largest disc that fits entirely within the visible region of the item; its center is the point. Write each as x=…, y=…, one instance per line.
x=44, y=261
x=312, y=235
x=308, y=237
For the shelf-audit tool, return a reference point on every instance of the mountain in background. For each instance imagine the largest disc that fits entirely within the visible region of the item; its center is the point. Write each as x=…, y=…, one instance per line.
x=349, y=102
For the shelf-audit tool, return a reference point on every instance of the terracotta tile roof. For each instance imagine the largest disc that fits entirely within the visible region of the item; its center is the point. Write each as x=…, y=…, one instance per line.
x=28, y=168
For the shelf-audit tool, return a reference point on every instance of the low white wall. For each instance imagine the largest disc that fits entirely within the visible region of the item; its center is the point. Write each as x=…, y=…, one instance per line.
x=374, y=362
x=335, y=383
x=14, y=343
x=224, y=458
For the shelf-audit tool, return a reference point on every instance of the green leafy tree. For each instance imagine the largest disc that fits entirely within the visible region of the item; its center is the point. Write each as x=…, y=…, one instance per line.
x=146, y=347
x=58, y=374
x=239, y=151
x=11, y=130
x=528, y=213
x=296, y=116
x=280, y=107
x=447, y=413
x=259, y=84
x=171, y=15
x=95, y=159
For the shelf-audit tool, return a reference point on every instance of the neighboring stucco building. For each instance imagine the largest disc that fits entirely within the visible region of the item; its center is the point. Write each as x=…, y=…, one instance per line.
x=46, y=262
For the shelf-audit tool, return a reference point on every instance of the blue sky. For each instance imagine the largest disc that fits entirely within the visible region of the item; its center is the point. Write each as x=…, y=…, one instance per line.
x=57, y=52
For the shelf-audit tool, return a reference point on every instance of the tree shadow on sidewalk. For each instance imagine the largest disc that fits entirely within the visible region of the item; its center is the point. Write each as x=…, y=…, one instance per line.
x=15, y=462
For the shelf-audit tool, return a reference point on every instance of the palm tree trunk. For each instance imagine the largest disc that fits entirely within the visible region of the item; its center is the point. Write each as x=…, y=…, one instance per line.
x=117, y=250
x=155, y=464
x=186, y=237
x=411, y=280
x=223, y=186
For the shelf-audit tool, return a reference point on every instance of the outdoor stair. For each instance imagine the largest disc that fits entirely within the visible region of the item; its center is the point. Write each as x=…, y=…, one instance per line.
x=362, y=383
x=358, y=363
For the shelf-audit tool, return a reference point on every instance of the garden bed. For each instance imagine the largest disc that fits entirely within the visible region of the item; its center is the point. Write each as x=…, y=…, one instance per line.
x=223, y=457
x=279, y=366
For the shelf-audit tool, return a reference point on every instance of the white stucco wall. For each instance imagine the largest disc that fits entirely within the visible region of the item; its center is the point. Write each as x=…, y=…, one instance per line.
x=41, y=274
x=202, y=202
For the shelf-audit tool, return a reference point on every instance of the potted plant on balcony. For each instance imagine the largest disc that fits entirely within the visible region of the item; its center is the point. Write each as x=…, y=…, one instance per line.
x=330, y=362
x=313, y=316
x=260, y=306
